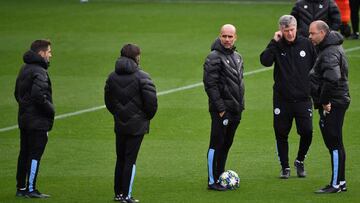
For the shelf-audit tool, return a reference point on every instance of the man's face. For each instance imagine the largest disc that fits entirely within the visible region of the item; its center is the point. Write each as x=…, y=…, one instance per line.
x=228, y=37
x=46, y=54
x=315, y=35
x=289, y=33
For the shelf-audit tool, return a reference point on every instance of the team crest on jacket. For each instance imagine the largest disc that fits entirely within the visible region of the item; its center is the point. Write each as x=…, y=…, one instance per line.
x=276, y=111
x=302, y=53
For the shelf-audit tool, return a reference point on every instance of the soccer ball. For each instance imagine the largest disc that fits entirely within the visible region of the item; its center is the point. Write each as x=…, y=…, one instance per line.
x=230, y=180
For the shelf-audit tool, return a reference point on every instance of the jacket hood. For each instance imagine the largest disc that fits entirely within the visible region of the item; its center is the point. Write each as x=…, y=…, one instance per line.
x=30, y=57
x=219, y=47
x=125, y=65
x=333, y=38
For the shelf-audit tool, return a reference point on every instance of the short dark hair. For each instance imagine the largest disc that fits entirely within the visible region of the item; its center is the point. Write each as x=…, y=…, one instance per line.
x=130, y=51
x=40, y=45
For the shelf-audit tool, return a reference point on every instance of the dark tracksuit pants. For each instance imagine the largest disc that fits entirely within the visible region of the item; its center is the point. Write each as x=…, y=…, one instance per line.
x=127, y=148
x=354, y=11
x=331, y=130
x=284, y=114
x=221, y=139
x=32, y=147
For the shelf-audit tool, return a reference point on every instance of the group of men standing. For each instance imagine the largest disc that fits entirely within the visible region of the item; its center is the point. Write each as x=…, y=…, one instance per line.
x=307, y=71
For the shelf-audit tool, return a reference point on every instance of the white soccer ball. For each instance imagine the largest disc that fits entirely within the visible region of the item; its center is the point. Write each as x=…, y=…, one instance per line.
x=84, y=1
x=230, y=180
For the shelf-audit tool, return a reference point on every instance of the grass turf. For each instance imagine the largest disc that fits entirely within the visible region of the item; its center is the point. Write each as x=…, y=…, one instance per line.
x=175, y=38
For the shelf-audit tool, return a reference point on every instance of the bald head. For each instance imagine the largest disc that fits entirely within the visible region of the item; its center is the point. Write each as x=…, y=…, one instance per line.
x=317, y=31
x=321, y=26
x=228, y=27
x=228, y=36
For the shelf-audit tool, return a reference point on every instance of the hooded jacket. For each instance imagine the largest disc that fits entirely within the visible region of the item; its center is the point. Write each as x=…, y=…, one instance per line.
x=34, y=94
x=223, y=79
x=293, y=62
x=130, y=96
x=329, y=76
x=307, y=11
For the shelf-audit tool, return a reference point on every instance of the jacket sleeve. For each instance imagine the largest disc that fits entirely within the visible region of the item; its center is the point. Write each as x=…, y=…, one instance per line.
x=334, y=16
x=148, y=93
x=211, y=80
x=110, y=100
x=39, y=89
x=331, y=75
x=267, y=57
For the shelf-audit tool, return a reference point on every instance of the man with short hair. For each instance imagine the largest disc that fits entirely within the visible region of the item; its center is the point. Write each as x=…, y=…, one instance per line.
x=130, y=96
x=307, y=11
x=224, y=85
x=330, y=92
x=35, y=116
x=293, y=56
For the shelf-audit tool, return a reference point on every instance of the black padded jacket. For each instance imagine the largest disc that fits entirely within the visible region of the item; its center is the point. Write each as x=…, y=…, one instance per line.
x=307, y=11
x=34, y=94
x=130, y=96
x=223, y=79
x=329, y=76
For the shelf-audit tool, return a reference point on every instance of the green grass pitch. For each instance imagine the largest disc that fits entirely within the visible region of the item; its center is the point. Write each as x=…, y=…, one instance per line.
x=78, y=163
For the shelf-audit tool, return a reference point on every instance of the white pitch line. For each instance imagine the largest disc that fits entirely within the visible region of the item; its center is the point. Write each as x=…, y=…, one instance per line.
x=61, y=116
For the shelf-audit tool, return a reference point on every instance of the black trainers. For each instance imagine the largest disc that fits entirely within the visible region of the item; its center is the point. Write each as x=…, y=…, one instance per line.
x=354, y=36
x=216, y=186
x=343, y=187
x=36, y=194
x=285, y=173
x=119, y=198
x=21, y=193
x=131, y=200
x=328, y=189
x=300, y=170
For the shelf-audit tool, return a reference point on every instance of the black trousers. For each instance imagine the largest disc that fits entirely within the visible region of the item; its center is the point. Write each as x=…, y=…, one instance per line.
x=331, y=129
x=284, y=114
x=354, y=10
x=221, y=139
x=127, y=148
x=32, y=147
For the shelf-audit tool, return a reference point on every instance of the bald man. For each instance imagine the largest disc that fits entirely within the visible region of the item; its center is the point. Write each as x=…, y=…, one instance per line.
x=223, y=82
x=330, y=92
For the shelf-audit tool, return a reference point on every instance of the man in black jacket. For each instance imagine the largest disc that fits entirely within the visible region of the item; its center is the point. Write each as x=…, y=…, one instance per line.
x=35, y=116
x=307, y=11
x=223, y=81
x=330, y=92
x=130, y=96
x=293, y=56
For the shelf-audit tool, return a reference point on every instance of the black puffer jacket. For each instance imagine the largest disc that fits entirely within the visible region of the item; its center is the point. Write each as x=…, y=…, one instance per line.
x=307, y=11
x=329, y=76
x=292, y=65
x=130, y=96
x=223, y=79
x=34, y=94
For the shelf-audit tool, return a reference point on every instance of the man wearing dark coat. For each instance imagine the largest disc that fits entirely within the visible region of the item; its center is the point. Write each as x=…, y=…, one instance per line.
x=330, y=93
x=33, y=93
x=224, y=85
x=130, y=96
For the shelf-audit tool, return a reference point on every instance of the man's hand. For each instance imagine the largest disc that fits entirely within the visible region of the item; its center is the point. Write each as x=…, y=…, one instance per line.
x=277, y=36
x=327, y=107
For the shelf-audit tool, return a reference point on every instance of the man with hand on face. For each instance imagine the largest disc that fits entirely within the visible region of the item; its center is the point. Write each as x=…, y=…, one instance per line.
x=223, y=82
x=293, y=56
